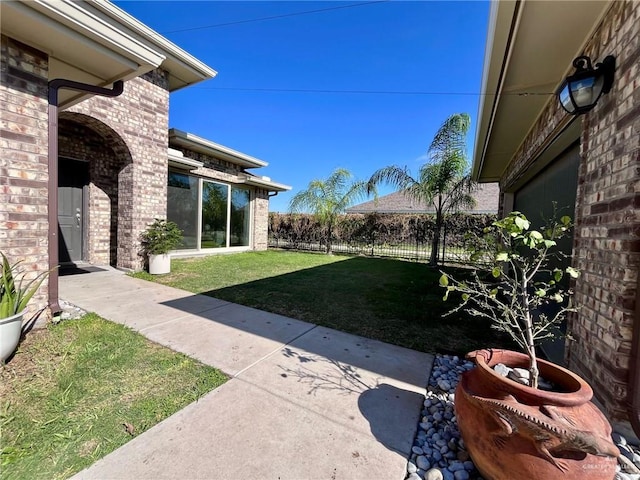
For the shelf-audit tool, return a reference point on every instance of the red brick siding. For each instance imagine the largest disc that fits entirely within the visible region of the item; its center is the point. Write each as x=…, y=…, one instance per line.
x=23, y=159
x=607, y=233
x=261, y=220
x=135, y=126
x=86, y=139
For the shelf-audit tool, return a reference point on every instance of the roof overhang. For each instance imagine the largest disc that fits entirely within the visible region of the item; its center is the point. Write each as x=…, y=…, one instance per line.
x=97, y=43
x=178, y=160
x=530, y=48
x=265, y=183
x=201, y=145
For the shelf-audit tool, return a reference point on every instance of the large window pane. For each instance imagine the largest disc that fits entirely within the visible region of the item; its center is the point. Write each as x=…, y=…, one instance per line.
x=214, y=215
x=182, y=207
x=239, y=217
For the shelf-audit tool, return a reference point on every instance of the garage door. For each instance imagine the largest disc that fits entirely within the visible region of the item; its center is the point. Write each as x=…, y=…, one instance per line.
x=556, y=183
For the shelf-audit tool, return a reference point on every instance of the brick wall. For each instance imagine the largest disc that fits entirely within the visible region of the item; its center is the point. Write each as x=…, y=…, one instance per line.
x=261, y=220
x=23, y=159
x=227, y=172
x=131, y=165
x=86, y=139
x=607, y=234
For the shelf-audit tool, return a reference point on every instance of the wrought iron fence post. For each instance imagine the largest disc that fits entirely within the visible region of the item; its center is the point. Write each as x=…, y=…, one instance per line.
x=444, y=242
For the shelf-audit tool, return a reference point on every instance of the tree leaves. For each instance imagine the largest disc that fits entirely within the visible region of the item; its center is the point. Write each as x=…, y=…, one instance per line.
x=444, y=181
x=326, y=199
x=522, y=282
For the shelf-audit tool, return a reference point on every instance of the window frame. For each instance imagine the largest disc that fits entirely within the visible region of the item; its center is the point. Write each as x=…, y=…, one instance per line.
x=227, y=247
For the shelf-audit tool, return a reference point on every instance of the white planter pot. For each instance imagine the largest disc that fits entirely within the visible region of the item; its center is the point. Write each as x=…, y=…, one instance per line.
x=159, y=264
x=10, y=331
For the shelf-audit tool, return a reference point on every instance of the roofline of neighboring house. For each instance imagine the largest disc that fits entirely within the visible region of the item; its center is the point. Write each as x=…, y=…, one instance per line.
x=97, y=43
x=201, y=145
x=518, y=83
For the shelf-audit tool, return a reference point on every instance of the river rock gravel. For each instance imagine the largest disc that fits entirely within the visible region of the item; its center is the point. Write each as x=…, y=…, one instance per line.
x=438, y=451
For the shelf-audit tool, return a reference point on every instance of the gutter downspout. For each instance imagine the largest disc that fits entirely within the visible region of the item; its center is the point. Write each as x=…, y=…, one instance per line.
x=633, y=393
x=52, y=204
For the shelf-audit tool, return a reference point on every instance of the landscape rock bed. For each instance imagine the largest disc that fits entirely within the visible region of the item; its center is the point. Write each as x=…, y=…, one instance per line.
x=70, y=311
x=438, y=451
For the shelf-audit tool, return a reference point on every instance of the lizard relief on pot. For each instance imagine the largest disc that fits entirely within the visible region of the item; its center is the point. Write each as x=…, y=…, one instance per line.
x=549, y=430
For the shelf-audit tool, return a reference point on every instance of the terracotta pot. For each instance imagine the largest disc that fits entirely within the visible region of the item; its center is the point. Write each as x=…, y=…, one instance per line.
x=515, y=432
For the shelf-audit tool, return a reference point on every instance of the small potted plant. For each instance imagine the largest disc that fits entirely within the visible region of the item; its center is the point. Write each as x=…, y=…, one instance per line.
x=15, y=294
x=157, y=241
x=512, y=428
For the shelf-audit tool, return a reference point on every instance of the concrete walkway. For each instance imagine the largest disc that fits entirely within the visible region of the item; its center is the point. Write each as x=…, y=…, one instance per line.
x=303, y=401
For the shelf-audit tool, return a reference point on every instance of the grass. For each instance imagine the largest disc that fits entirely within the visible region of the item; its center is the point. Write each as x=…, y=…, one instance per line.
x=73, y=390
x=391, y=300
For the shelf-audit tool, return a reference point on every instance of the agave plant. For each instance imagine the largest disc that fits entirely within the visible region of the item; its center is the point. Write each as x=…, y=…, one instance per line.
x=15, y=293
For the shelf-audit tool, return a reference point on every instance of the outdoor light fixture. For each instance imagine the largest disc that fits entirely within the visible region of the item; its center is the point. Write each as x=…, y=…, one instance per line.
x=580, y=92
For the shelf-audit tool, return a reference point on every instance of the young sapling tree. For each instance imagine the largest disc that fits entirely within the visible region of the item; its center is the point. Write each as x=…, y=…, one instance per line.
x=523, y=285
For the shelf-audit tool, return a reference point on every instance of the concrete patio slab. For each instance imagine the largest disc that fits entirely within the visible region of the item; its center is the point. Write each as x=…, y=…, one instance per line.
x=241, y=430
x=304, y=402
x=231, y=346
x=130, y=301
x=366, y=385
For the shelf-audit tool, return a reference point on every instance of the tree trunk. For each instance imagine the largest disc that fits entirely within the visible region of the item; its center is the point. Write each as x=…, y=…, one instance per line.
x=528, y=331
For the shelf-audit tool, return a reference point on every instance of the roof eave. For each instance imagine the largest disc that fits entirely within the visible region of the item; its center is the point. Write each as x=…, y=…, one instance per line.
x=518, y=82
x=184, y=69
x=266, y=184
x=96, y=43
x=201, y=145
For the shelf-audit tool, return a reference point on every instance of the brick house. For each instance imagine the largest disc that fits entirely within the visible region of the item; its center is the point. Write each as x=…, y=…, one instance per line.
x=118, y=166
x=588, y=164
x=485, y=195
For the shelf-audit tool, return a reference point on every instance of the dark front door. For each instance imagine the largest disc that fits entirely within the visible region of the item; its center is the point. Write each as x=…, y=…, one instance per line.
x=73, y=177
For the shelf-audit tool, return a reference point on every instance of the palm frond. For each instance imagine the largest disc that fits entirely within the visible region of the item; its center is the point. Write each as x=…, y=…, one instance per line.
x=398, y=177
x=451, y=137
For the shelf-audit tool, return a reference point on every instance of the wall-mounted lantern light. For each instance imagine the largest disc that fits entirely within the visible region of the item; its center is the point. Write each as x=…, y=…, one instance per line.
x=580, y=92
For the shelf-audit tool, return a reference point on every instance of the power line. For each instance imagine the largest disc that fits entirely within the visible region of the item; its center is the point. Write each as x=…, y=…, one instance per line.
x=307, y=12
x=371, y=92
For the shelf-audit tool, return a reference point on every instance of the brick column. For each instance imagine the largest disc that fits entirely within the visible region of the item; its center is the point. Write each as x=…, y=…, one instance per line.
x=261, y=220
x=23, y=159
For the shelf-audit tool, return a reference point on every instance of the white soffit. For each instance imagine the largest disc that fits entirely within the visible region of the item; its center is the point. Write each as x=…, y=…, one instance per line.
x=96, y=43
x=266, y=183
x=201, y=145
x=530, y=47
x=178, y=160
x=183, y=67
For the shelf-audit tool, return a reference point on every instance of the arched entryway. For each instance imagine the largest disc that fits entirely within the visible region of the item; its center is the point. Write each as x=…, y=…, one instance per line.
x=95, y=174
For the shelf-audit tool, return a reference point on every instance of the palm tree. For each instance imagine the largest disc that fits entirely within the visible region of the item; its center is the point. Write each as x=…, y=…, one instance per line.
x=327, y=199
x=443, y=182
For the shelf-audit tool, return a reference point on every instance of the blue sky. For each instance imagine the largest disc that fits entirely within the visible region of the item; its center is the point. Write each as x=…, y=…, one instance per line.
x=433, y=48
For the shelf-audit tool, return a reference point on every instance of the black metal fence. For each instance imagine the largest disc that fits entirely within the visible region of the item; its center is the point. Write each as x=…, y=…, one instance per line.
x=382, y=235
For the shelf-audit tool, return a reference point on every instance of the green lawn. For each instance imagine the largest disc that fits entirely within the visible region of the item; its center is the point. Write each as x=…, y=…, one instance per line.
x=73, y=390
x=394, y=301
